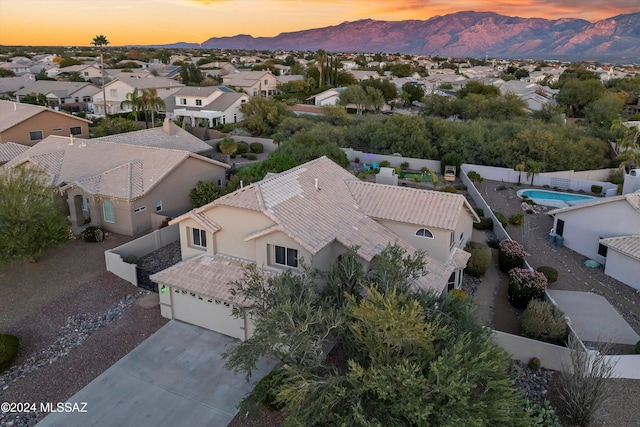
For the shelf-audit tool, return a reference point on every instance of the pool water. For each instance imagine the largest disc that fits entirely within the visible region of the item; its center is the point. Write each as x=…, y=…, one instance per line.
x=555, y=198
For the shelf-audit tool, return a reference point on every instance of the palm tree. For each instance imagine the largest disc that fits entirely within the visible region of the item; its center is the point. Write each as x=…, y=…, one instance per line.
x=134, y=101
x=101, y=41
x=321, y=57
x=533, y=168
x=520, y=167
x=151, y=102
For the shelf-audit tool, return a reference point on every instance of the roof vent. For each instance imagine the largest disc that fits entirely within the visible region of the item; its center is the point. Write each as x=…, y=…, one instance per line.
x=316, y=185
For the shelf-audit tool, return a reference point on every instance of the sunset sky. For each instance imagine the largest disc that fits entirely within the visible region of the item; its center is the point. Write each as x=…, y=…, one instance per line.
x=76, y=22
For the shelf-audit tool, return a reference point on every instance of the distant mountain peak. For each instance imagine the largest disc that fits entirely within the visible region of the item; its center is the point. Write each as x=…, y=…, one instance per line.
x=464, y=34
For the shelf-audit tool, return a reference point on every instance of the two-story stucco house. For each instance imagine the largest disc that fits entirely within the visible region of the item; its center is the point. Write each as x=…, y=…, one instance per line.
x=70, y=96
x=253, y=83
x=606, y=230
x=310, y=214
x=116, y=92
x=211, y=105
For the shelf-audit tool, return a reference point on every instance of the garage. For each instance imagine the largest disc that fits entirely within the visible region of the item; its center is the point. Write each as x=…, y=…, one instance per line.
x=197, y=291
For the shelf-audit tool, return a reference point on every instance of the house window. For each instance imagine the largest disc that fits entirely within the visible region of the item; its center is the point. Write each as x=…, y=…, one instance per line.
x=57, y=129
x=235, y=117
x=86, y=99
x=286, y=256
x=224, y=119
x=602, y=250
x=35, y=135
x=451, y=283
x=423, y=232
x=113, y=93
x=461, y=236
x=199, y=237
x=140, y=209
x=85, y=203
x=560, y=227
x=199, y=102
x=158, y=205
x=86, y=73
x=75, y=130
x=266, y=82
x=183, y=101
x=255, y=92
x=107, y=211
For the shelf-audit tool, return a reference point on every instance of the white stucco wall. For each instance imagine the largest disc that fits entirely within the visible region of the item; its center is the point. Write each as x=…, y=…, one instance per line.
x=623, y=268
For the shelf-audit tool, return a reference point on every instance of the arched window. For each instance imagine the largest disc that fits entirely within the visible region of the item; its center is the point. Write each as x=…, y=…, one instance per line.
x=107, y=211
x=423, y=232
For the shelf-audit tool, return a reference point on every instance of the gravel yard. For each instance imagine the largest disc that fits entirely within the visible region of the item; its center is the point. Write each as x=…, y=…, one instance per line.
x=74, y=320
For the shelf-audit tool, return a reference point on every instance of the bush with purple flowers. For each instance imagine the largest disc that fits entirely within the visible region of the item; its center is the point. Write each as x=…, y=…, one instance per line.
x=525, y=285
x=511, y=255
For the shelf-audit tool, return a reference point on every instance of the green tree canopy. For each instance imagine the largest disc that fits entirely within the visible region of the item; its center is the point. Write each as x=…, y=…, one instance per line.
x=263, y=115
x=115, y=125
x=31, y=215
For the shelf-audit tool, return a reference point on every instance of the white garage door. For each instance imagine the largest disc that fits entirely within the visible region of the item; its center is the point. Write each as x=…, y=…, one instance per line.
x=206, y=312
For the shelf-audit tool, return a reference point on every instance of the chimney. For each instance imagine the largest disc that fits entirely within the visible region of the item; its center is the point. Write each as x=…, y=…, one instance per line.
x=167, y=127
x=316, y=182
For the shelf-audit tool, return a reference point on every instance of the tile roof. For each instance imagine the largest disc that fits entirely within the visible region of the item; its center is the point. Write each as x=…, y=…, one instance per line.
x=108, y=169
x=318, y=203
x=410, y=205
x=61, y=87
x=197, y=91
x=179, y=139
x=9, y=150
x=207, y=276
x=13, y=113
x=224, y=101
x=627, y=245
x=149, y=82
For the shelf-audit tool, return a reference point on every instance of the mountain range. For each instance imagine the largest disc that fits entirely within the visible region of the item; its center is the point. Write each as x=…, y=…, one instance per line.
x=464, y=34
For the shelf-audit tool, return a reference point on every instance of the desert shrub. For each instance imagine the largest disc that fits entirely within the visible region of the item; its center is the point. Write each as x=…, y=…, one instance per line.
x=525, y=285
x=549, y=272
x=529, y=202
x=516, y=219
x=449, y=189
x=8, y=350
x=384, y=164
x=501, y=218
x=243, y=147
x=544, y=321
x=585, y=387
x=404, y=166
x=424, y=169
x=479, y=211
x=484, y=224
x=451, y=159
x=256, y=147
x=459, y=294
x=543, y=414
x=93, y=234
x=534, y=363
x=480, y=259
x=596, y=189
x=251, y=157
x=460, y=187
x=511, y=255
x=637, y=348
x=475, y=176
x=266, y=390
x=501, y=187
x=530, y=211
x=493, y=243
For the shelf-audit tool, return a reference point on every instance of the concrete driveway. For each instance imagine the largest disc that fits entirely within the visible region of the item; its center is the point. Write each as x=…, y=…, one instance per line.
x=174, y=378
x=593, y=318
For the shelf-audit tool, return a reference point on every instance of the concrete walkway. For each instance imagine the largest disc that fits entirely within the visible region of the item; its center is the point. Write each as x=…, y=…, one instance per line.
x=174, y=378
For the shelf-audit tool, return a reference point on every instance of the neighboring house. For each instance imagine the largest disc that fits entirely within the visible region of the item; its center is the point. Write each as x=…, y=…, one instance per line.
x=124, y=188
x=606, y=231
x=69, y=96
x=328, y=97
x=16, y=67
x=209, y=105
x=116, y=92
x=309, y=215
x=361, y=75
x=253, y=83
x=10, y=150
x=533, y=94
x=169, y=136
x=10, y=85
x=28, y=124
x=87, y=72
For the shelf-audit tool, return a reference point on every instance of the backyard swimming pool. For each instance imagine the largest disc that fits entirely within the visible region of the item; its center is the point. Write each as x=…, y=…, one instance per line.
x=556, y=199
